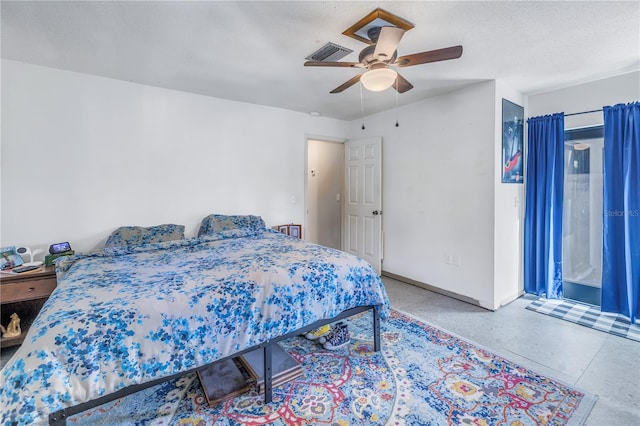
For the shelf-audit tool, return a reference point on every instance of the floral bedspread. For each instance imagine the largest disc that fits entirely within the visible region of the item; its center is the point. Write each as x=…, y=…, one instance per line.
x=121, y=317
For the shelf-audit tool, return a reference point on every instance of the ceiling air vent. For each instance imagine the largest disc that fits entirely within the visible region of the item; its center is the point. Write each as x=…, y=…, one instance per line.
x=330, y=52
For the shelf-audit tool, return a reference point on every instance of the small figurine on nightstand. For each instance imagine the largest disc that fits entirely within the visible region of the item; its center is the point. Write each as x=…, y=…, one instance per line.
x=13, y=329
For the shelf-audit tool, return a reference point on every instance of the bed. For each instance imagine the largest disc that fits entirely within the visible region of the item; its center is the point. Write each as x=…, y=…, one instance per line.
x=131, y=316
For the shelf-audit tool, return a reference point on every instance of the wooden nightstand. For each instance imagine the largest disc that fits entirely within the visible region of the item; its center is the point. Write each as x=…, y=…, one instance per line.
x=24, y=294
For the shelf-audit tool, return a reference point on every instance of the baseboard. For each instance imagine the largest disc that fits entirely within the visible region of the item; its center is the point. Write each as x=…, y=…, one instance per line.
x=510, y=299
x=437, y=290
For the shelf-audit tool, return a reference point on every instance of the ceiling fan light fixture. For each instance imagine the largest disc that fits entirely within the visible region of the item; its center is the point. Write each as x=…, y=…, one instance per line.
x=379, y=79
x=581, y=146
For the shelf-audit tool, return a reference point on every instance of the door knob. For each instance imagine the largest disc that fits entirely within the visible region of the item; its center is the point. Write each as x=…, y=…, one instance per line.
x=376, y=212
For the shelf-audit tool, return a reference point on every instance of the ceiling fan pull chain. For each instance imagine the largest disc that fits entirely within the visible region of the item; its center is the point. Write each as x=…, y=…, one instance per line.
x=361, y=107
x=397, y=124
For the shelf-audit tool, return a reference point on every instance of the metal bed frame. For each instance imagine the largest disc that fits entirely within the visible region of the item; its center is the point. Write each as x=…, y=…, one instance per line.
x=59, y=418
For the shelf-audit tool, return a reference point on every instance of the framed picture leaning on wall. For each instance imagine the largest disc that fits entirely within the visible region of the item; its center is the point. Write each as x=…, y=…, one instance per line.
x=512, y=142
x=9, y=258
x=291, y=230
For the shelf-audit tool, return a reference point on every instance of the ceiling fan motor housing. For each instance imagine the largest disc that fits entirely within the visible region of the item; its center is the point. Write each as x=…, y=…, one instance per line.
x=366, y=57
x=373, y=33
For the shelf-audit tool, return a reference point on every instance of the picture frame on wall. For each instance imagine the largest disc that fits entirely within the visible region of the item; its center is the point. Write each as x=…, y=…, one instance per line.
x=512, y=142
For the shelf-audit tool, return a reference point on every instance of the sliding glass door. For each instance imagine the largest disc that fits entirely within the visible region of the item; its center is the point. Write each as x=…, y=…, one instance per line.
x=582, y=215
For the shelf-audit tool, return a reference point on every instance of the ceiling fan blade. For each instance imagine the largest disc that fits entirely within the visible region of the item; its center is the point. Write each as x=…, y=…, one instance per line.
x=333, y=64
x=347, y=84
x=401, y=84
x=447, y=53
x=388, y=41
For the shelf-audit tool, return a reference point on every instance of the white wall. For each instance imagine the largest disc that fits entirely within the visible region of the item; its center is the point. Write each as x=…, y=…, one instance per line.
x=508, y=214
x=594, y=95
x=82, y=155
x=438, y=190
x=442, y=190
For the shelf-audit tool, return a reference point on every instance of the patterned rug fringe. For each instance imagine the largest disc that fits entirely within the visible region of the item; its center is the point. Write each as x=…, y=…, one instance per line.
x=588, y=316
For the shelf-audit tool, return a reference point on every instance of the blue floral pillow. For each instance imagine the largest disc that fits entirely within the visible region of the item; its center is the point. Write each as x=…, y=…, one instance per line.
x=215, y=223
x=131, y=236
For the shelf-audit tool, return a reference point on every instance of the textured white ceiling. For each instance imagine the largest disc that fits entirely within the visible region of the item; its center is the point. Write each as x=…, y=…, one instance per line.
x=253, y=51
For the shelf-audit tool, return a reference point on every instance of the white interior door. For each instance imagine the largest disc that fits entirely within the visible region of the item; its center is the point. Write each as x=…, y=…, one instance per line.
x=363, y=200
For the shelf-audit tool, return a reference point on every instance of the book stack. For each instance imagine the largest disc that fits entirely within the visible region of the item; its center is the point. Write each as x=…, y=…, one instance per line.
x=232, y=377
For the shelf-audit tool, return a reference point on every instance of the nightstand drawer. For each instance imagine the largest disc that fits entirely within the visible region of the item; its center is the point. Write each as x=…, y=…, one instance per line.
x=26, y=290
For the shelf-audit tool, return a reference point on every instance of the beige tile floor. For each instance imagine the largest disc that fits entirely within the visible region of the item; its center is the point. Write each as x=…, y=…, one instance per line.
x=593, y=361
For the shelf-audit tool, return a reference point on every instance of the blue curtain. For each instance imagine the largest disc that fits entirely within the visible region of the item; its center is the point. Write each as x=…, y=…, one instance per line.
x=544, y=180
x=621, y=204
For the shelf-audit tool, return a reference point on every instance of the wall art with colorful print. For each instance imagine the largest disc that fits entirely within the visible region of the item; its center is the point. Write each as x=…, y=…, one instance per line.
x=512, y=142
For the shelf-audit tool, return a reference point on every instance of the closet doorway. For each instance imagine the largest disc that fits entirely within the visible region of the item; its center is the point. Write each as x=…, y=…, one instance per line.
x=324, y=192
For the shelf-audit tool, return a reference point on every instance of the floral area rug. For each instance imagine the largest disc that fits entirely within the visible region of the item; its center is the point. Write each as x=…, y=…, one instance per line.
x=422, y=376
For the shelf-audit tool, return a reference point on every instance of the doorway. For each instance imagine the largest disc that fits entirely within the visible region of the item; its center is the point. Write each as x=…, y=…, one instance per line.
x=324, y=192
x=582, y=214
x=343, y=196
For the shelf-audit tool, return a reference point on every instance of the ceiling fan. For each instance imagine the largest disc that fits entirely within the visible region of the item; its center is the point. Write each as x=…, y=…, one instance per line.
x=383, y=32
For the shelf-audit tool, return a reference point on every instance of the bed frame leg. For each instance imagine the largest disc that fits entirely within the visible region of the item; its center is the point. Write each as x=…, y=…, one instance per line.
x=268, y=390
x=59, y=418
x=376, y=330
